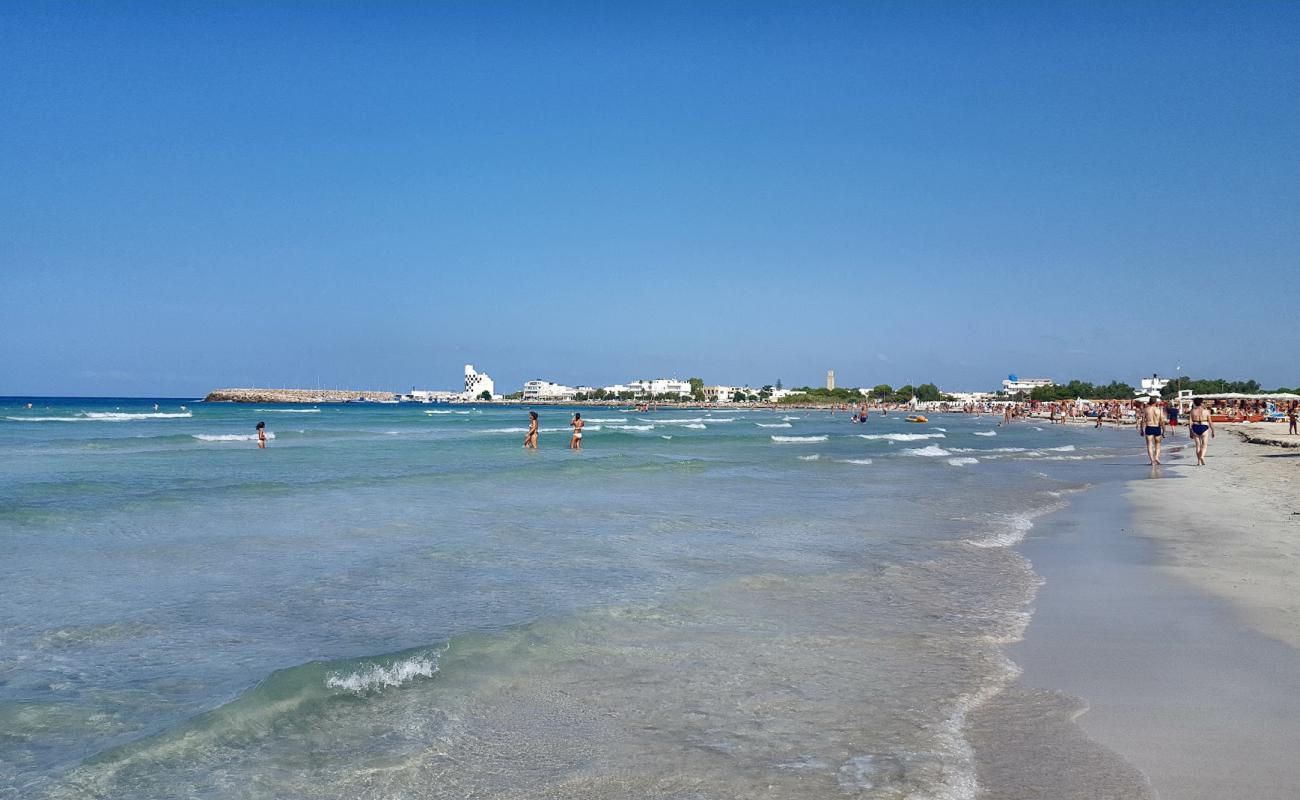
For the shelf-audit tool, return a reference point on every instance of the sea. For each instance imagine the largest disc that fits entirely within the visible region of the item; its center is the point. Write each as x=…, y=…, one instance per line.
x=399, y=601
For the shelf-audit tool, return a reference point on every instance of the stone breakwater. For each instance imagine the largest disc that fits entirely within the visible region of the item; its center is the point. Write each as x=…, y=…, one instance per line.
x=292, y=395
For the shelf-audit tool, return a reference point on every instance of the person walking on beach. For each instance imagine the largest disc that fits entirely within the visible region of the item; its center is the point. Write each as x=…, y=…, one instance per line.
x=1291, y=414
x=261, y=435
x=576, y=442
x=1200, y=424
x=1151, y=425
x=530, y=439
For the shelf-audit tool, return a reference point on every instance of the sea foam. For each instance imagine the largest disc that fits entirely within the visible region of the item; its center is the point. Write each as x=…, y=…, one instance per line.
x=229, y=437
x=378, y=676
x=930, y=451
x=798, y=439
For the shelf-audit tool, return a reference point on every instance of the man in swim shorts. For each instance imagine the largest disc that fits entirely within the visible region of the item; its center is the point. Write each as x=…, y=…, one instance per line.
x=1201, y=424
x=1151, y=425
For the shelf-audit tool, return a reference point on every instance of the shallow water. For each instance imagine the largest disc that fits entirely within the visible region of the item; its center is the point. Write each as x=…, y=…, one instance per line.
x=392, y=602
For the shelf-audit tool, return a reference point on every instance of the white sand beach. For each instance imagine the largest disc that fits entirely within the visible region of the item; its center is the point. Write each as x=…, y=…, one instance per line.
x=1167, y=628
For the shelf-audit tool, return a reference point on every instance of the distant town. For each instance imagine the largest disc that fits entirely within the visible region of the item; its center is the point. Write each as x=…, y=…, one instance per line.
x=479, y=387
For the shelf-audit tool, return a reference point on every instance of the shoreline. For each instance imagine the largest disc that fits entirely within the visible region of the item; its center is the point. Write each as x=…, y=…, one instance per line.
x=1163, y=651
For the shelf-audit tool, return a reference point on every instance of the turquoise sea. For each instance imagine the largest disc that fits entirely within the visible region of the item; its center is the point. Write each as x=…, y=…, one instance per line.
x=397, y=601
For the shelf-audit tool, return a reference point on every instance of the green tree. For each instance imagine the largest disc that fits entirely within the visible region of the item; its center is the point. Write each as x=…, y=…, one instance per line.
x=738, y=397
x=697, y=385
x=485, y=395
x=882, y=390
x=927, y=393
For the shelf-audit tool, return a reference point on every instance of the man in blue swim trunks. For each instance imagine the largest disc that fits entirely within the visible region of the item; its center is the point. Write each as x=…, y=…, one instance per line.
x=1151, y=425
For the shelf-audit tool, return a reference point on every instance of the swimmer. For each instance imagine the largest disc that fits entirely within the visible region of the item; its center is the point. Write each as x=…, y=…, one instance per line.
x=1201, y=423
x=530, y=439
x=261, y=435
x=1151, y=426
x=576, y=442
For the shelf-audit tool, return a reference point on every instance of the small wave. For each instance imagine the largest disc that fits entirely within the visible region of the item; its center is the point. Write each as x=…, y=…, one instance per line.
x=661, y=436
x=104, y=416
x=438, y=412
x=696, y=425
x=937, y=428
x=788, y=419
x=229, y=437
x=1069, y=448
x=610, y=419
x=963, y=461
x=1014, y=527
x=798, y=439
x=862, y=462
x=812, y=457
x=720, y=419
x=290, y=410
x=986, y=433
x=122, y=416
x=631, y=427
x=773, y=424
x=901, y=437
x=930, y=451
x=379, y=676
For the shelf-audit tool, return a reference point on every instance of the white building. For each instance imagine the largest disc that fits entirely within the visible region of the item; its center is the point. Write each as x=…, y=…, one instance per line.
x=661, y=386
x=777, y=394
x=655, y=387
x=476, y=383
x=718, y=394
x=1014, y=385
x=535, y=390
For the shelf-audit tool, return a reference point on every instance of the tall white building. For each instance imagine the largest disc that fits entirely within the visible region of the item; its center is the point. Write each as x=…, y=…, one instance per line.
x=546, y=390
x=476, y=383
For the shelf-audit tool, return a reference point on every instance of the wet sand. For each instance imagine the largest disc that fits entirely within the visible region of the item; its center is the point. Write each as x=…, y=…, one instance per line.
x=1166, y=625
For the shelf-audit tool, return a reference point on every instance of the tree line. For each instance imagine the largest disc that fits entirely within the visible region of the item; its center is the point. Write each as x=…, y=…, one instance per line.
x=1118, y=390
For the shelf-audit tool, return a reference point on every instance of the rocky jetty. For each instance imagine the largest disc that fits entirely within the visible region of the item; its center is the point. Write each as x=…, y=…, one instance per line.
x=292, y=395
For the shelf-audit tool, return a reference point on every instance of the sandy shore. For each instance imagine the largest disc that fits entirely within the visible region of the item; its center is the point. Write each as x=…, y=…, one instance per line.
x=1163, y=656
x=1232, y=527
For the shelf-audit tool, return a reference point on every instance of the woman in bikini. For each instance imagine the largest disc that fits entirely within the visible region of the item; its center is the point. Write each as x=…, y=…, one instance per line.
x=576, y=442
x=261, y=435
x=530, y=439
x=1201, y=423
x=1291, y=414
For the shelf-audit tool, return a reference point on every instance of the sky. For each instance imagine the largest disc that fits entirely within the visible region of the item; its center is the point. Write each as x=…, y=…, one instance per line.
x=371, y=195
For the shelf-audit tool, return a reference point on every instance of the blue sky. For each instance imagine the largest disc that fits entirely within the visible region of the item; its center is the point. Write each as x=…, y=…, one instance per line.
x=201, y=195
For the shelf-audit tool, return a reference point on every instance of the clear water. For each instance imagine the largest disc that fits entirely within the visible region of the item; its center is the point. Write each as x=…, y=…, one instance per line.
x=398, y=601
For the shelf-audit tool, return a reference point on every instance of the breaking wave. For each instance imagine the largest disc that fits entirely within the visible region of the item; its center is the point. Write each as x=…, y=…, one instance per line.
x=229, y=437
x=931, y=451
x=901, y=437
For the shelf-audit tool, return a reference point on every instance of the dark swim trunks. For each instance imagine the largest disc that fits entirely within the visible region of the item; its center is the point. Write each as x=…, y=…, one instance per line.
x=1199, y=429
x=1153, y=430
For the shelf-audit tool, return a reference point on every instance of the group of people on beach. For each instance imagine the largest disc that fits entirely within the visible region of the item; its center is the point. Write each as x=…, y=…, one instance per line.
x=575, y=439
